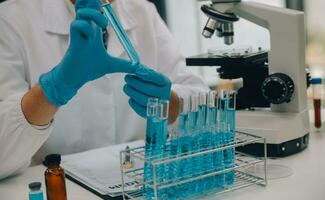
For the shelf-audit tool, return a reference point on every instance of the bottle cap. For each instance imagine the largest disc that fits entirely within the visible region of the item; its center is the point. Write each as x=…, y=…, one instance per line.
x=52, y=159
x=35, y=186
x=315, y=81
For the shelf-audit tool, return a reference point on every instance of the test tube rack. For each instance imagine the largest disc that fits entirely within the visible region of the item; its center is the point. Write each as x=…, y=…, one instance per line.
x=243, y=177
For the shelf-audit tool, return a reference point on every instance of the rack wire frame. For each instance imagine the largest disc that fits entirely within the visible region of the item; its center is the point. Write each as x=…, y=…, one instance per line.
x=242, y=161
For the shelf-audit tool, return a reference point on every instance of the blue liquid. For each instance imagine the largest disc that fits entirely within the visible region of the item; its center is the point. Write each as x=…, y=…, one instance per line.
x=217, y=157
x=36, y=195
x=230, y=153
x=173, y=167
x=156, y=136
x=193, y=145
x=225, y=138
x=122, y=36
x=204, y=138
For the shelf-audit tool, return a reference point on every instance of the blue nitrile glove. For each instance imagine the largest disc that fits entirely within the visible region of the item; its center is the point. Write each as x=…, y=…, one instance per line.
x=146, y=83
x=86, y=58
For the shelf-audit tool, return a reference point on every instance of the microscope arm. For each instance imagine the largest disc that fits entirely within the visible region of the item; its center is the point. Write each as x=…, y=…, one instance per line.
x=287, y=53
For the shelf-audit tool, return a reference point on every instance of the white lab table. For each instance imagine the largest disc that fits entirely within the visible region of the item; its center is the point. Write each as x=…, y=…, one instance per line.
x=306, y=183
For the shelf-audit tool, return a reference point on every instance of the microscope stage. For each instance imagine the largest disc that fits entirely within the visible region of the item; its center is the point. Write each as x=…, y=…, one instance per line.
x=220, y=60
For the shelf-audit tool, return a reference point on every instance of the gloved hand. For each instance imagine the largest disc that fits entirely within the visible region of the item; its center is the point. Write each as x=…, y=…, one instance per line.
x=86, y=58
x=146, y=83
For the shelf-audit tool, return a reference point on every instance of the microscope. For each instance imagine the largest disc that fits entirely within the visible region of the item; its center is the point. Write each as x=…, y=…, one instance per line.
x=273, y=100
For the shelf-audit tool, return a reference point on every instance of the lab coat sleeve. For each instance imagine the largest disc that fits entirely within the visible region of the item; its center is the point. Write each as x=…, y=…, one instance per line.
x=19, y=140
x=172, y=63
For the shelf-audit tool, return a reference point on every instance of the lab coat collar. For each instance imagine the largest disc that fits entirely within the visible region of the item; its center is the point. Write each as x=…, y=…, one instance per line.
x=58, y=15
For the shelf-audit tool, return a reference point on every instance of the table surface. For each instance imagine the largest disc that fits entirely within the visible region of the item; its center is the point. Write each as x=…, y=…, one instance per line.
x=306, y=182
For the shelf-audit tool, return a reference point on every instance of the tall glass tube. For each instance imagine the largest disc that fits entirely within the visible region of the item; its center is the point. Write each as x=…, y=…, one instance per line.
x=204, y=141
x=230, y=136
x=193, y=128
x=219, y=139
x=224, y=129
x=216, y=158
x=161, y=170
x=150, y=145
x=317, y=95
x=118, y=29
x=186, y=124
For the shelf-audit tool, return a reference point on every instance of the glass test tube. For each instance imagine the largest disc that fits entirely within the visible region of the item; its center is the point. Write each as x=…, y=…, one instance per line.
x=151, y=132
x=161, y=170
x=317, y=95
x=202, y=139
x=217, y=137
x=231, y=113
x=224, y=132
x=117, y=27
x=193, y=114
x=185, y=142
x=202, y=112
x=231, y=110
x=194, y=162
x=163, y=117
x=212, y=109
x=177, y=134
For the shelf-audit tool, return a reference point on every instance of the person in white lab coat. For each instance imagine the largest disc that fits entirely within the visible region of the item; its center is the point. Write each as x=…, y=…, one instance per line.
x=34, y=37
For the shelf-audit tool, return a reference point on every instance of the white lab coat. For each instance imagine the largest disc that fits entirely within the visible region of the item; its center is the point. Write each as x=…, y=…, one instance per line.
x=34, y=35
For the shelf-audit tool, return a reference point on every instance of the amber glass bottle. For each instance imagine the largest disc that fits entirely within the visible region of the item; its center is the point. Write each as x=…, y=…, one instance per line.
x=54, y=178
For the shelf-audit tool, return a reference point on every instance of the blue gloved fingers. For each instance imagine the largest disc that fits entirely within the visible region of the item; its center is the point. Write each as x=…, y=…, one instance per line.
x=152, y=76
x=118, y=65
x=93, y=4
x=140, y=110
x=80, y=30
x=90, y=14
x=143, y=86
x=87, y=4
x=137, y=96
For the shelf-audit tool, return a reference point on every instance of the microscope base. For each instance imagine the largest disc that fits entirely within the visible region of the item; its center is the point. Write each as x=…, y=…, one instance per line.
x=277, y=150
x=285, y=133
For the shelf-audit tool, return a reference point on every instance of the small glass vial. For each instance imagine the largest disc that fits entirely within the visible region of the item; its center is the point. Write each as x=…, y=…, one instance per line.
x=317, y=95
x=55, y=178
x=35, y=192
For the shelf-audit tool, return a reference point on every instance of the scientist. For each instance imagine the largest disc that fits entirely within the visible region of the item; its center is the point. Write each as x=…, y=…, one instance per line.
x=59, y=89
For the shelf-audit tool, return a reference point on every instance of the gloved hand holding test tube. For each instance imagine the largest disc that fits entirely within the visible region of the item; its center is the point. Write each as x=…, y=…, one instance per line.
x=144, y=82
x=118, y=29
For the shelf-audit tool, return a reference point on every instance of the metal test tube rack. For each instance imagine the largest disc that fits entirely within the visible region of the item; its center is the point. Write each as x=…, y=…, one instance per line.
x=242, y=161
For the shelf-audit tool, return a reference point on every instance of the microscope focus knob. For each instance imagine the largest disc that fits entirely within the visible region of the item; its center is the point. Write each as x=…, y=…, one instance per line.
x=278, y=88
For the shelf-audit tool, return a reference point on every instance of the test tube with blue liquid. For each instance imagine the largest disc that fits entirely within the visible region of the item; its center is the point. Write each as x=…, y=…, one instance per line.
x=162, y=138
x=156, y=139
x=186, y=126
x=227, y=126
x=113, y=20
x=193, y=129
x=217, y=157
x=150, y=145
x=204, y=141
x=177, y=134
x=231, y=111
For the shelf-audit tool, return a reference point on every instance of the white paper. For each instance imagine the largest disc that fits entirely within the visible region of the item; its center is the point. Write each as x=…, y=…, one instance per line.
x=99, y=169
